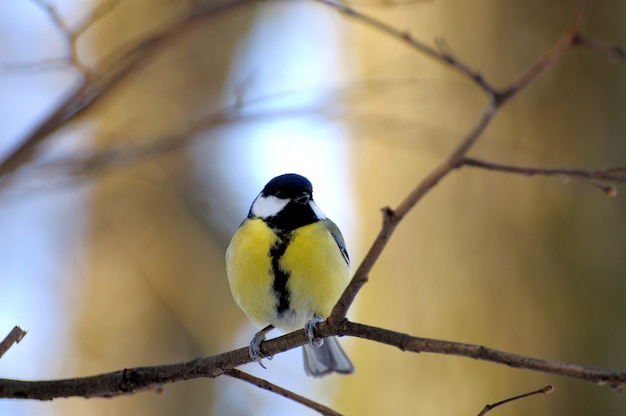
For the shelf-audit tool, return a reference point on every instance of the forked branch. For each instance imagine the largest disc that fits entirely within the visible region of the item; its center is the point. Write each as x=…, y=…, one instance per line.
x=496, y=99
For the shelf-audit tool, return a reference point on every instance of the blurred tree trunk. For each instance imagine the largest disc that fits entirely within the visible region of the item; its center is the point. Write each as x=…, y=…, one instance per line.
x=156, y=284
x=527, y=265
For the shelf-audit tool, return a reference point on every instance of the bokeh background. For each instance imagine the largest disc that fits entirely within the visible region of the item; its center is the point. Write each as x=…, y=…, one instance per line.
x=120, y=264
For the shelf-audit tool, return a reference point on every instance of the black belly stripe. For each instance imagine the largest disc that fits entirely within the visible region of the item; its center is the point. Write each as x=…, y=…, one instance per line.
x=280, y=275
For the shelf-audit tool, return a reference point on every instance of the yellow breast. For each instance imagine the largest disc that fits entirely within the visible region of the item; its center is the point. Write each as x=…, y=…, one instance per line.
x=317, y=272
x=249, y=269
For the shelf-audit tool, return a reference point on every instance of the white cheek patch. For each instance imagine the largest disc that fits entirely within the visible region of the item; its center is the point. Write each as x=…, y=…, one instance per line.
x=318, y=212
x=268, y=206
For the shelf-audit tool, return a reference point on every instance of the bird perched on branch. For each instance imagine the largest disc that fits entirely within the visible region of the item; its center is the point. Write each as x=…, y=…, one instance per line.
x=287, y=266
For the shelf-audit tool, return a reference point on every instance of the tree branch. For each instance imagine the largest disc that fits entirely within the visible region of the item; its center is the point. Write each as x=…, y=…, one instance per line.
x=586, y=176
x=391, y=218
x=266, y=385
x=602, y=47
x=125, y=381
x=442, y=55
x=544, y=390
x=567, y=40
x=133, y=380
x=614, y=379
x=13, y=337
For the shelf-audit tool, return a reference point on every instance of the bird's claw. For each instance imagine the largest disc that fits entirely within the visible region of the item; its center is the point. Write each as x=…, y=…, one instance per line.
x=309, y=329
x=255, y=348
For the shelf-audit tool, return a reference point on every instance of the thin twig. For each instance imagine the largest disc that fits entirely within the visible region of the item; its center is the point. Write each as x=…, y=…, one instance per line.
x=544, y=390
x=589, y=177
x=602, y=47
x=97, y=14
x=35, y=67
x=55, y=16
x=553, y=55
x=14, y=337
x=266, y=385
x=443, y=55
x=71, y=37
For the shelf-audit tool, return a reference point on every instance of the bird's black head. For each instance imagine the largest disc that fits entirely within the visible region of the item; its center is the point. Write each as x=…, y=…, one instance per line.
x=286, y=203
x=289, y=186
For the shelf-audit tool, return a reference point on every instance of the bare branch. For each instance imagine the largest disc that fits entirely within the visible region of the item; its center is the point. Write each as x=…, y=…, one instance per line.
x=391, y=218
x=602, y=47
x=553, y=55
x=112, y=71
x=138, y=379
x=602, y=377
x=36, y=67
x=14, y=337
x=443, y=55
x=56, y=18
x=589, y=177
x=544, y=390
x=99, y=12
x=266, y=385
x=71, y=37
x=125, y=381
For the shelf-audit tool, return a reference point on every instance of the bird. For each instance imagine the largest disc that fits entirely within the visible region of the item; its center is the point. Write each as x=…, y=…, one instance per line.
x=287, y=265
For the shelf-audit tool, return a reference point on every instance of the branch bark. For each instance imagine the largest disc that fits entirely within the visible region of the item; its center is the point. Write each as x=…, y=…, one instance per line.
x=14, y=337
x=266, y=385
x=133, y=380
x=544, y=390
x=586, y=176
x=602, y=377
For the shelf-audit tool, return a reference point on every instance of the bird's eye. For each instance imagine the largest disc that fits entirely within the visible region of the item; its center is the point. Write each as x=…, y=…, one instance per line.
x=280, y=194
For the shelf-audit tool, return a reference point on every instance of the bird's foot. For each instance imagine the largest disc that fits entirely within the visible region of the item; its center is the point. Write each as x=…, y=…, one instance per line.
x=309, y=329
x=255, y=348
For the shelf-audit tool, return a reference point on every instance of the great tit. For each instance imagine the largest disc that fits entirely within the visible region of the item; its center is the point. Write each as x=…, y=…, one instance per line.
x=287, y=266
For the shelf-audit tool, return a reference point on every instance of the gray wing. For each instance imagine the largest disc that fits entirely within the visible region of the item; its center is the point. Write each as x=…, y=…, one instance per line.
x=334, y=231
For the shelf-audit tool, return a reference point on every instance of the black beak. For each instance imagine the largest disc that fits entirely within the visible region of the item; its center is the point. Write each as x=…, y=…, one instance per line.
x=302, y=199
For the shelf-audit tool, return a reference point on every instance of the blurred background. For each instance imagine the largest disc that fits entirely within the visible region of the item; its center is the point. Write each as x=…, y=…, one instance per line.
x=112, y=238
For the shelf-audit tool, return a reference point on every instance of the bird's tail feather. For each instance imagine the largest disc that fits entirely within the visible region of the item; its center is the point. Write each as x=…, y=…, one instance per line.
x=323, y=360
